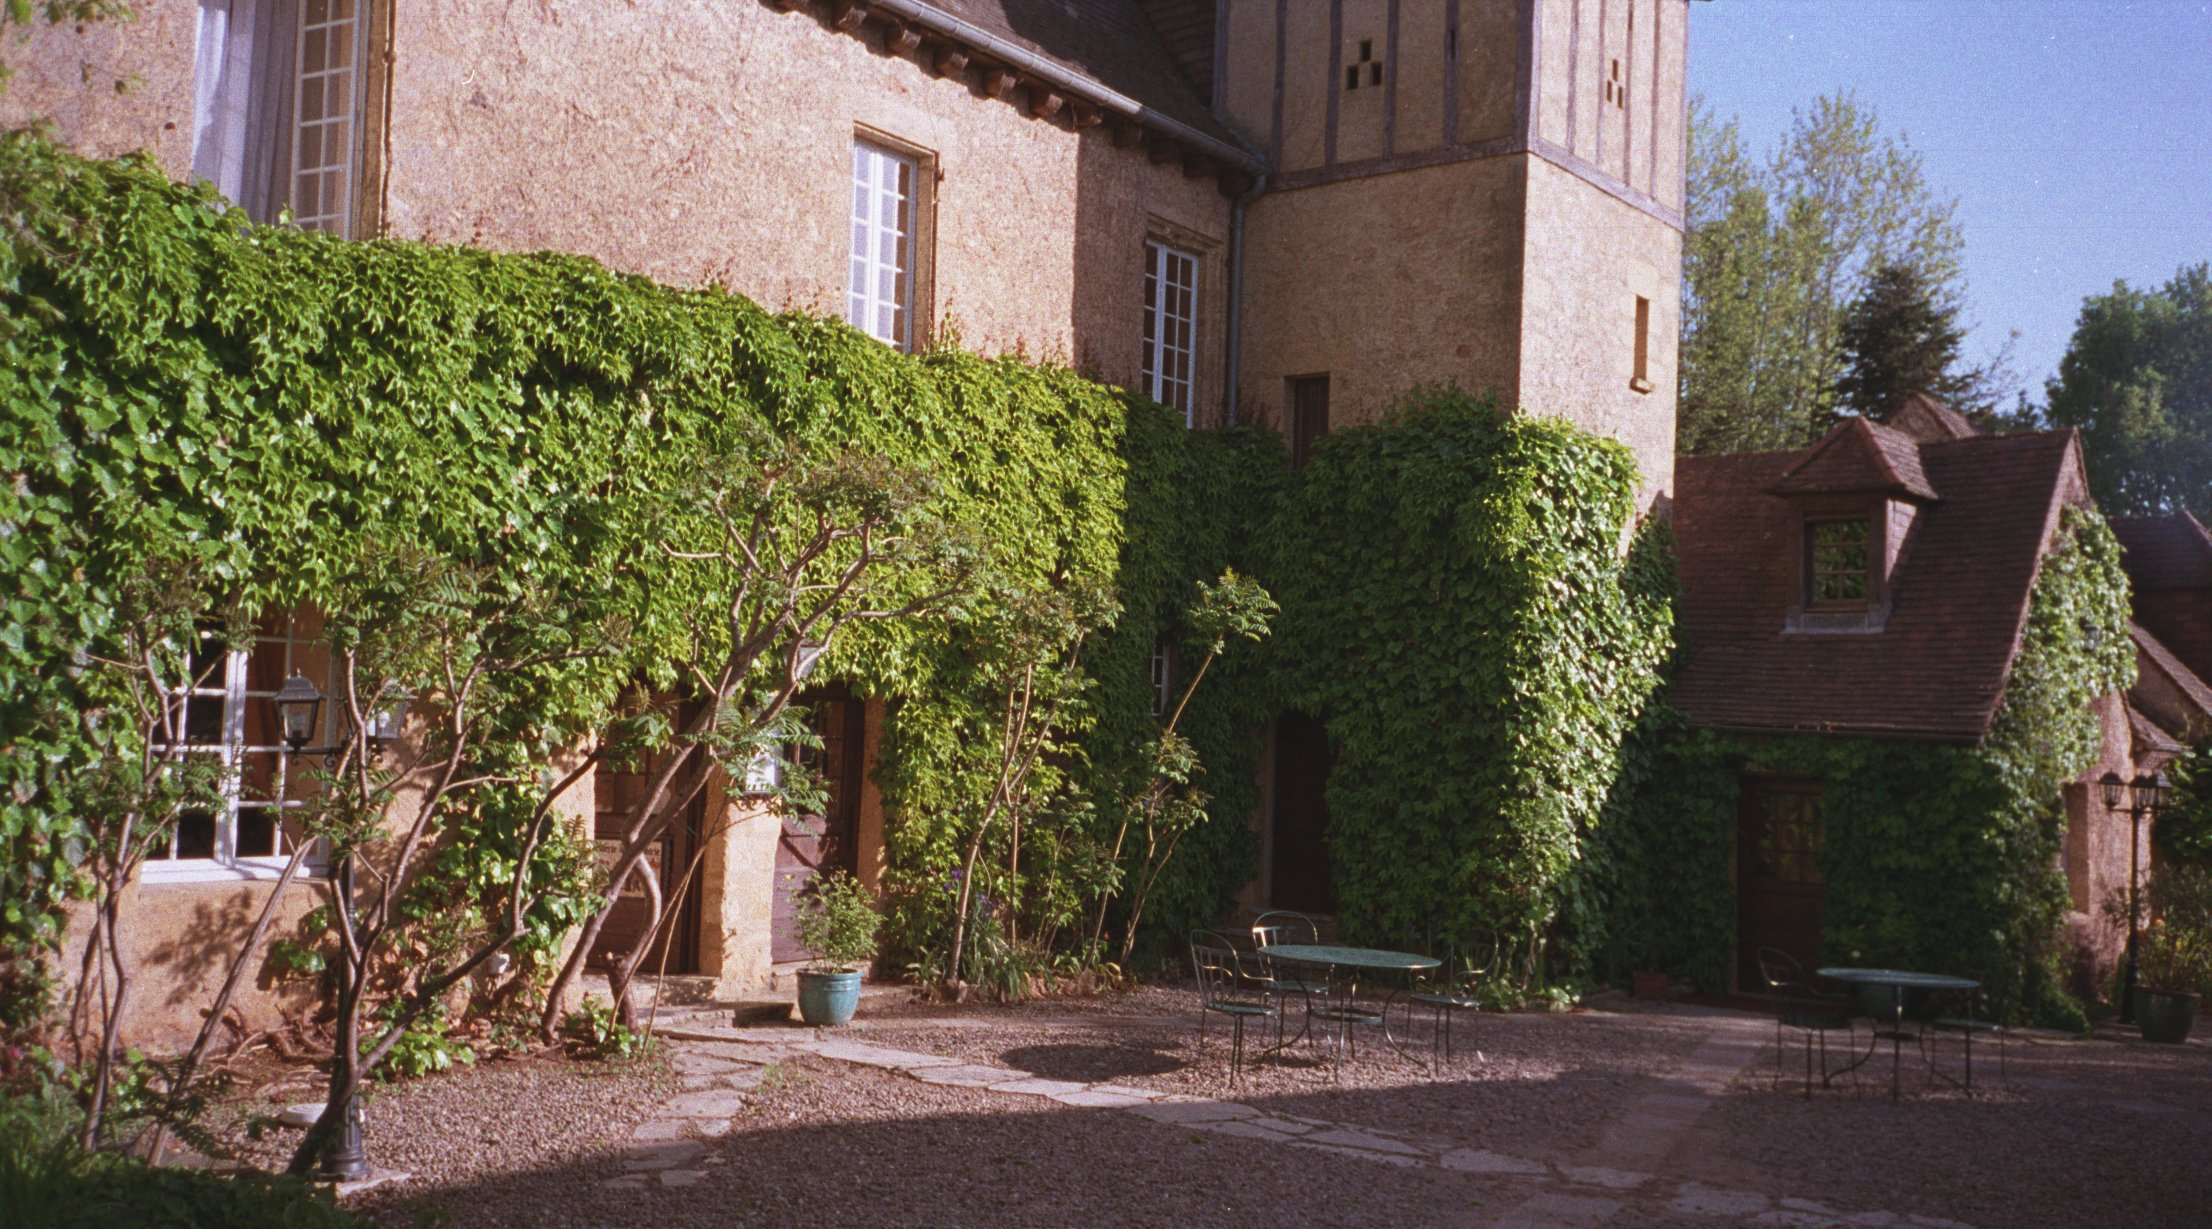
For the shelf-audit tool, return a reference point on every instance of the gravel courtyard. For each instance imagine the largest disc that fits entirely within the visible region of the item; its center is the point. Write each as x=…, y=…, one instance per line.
x=1094, y=1111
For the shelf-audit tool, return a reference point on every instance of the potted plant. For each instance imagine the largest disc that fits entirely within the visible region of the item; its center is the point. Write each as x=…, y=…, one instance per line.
x=837, y=926
x=2174, y=956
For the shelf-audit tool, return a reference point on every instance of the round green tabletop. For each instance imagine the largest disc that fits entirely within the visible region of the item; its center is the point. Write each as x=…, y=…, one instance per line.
x=1349, y=957
x=1900, y=978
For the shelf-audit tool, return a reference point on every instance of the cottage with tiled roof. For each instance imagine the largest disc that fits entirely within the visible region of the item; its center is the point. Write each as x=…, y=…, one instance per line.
x=1877, y=587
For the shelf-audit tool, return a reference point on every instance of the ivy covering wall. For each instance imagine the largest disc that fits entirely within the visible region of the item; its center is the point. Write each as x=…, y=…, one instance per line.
x=1935, y=857
x=262, y=405
x=1458, y=609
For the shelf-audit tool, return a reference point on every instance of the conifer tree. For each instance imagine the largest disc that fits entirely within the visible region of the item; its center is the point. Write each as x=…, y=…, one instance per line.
x=1898, y=339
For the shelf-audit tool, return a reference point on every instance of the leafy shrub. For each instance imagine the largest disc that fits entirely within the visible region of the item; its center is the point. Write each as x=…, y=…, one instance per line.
x=595, y=1029
x=47, y=1182
x=2175, y=952
x=838, y=922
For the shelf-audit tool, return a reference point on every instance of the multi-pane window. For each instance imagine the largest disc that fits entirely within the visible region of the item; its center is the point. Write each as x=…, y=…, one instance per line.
x=277, y=106
x=229, y=716
x=1786, y=843
x=1837, y=561
x=327, y=85
x=1170, y=326
x=880, y=299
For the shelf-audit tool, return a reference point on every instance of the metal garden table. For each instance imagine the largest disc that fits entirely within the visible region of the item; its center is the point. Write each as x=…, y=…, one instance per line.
x=1897, y=981
x=1353, y=963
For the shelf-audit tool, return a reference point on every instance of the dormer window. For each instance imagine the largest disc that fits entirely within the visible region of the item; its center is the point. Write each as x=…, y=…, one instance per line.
x=1838, y=554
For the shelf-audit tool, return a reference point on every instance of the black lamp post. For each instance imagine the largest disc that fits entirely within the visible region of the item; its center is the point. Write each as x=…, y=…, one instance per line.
x=2144, y=796
x=299, y=707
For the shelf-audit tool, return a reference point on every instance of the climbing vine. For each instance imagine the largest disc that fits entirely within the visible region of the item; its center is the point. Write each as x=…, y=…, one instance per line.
x=1941, y=857
x=1458, y=610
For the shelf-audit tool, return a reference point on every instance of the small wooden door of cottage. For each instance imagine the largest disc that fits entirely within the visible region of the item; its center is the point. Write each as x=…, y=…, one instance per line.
x=615, y=794
x=1299, y=873
x=1778, y=878
x=811, y=845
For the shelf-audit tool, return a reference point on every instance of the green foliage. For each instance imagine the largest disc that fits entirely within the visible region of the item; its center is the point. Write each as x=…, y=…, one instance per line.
x=837, y=924
x=47, y=1182
x=1897, y=339
x=1935, y=857
x=2184, y=828
x=2175, y=951
x=2137, y=380
x=595, y=1029
x=1774, y=254
x=425, y=1048
x=1458, y=610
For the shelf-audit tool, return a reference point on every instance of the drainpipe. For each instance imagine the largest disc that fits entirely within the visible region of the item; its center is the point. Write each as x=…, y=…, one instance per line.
x=1235, y=327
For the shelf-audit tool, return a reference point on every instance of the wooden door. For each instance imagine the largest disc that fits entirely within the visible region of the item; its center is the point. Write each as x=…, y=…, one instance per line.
x=813, y=845
x=675, y=946
x=1778, y=878
x=1299, y=874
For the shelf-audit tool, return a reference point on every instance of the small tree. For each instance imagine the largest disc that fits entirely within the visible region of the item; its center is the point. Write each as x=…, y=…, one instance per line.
x=777, y=553
x=1169, y=805
x=133, y=797
x=492, y=667
x=1030, y=662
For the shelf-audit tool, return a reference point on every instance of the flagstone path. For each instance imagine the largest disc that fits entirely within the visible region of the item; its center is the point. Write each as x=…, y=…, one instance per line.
x=1621, y=1175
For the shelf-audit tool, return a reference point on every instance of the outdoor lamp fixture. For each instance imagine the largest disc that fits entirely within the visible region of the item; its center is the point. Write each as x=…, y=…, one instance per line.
x=2145, y=795
x=387, y=719
x=298, y=704
x=810, y=651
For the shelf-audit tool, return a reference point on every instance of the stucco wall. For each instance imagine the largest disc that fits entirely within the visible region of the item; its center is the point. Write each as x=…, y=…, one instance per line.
x=67, y=75
x=1385, y=283
x=1589, y=256
x=712, y=142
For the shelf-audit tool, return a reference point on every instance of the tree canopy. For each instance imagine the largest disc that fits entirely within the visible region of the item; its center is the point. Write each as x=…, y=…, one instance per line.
x=2137, y=381
x=1776, y=252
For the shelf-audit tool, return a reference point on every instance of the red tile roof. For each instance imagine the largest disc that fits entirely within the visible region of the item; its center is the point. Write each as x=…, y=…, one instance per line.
x=2165, y=552
x=1858, y=456
x=1938, y=666
x=1929, y=420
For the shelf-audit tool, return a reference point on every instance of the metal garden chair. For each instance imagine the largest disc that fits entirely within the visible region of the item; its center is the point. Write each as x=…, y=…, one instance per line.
x=1967, y=1027
x=1812, y=1013
x=1223, y=989
x=1458, y=988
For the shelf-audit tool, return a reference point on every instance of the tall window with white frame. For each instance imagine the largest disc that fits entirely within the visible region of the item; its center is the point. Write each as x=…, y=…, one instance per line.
x=278, y=106
x=229, y=715
x=880, y=299
x=1170, y=327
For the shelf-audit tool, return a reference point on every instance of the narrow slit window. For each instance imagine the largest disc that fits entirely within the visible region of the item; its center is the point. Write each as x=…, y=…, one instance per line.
x=1163, y=673
x=1640, y=377
x=880, y=297
x=1170, y=327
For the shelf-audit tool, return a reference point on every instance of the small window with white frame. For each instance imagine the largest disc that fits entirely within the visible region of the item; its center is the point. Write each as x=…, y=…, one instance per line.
x=230, y=715
x=1170, y=338
x=880, y=298
x=278, y=107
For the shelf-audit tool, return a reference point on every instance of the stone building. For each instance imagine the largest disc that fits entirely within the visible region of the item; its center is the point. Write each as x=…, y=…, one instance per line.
x=1282, y=212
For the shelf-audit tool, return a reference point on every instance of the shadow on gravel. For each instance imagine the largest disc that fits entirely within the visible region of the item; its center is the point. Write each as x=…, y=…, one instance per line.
x=1090, y=1064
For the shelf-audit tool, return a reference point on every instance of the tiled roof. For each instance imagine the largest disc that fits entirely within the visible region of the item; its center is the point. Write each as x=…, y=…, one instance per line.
x=1111, y=42
x=1938, y=667
x=1858, y=456
x=2184, y=680
x=1929, y=420
x=2165, y=552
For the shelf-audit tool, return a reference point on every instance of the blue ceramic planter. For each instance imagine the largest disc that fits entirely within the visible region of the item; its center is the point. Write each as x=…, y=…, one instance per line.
x=828, y=998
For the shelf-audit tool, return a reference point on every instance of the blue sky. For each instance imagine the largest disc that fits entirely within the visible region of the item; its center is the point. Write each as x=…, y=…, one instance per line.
x=2076, y=134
